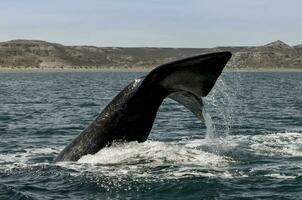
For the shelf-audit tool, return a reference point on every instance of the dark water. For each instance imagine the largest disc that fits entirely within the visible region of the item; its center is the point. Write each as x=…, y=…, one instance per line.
x=252, y=148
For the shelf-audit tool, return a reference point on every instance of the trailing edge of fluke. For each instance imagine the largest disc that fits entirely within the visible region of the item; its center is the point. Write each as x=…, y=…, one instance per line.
x=130, y=115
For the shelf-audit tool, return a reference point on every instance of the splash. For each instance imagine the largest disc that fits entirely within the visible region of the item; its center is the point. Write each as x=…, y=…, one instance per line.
x=154, y=153
x=210, y=133
x=219, y=107
x=172, y=160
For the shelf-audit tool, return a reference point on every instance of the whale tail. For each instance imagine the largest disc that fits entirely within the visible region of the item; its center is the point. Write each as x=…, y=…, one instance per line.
x=187, y=80
x=196, y=75
x=130, y=115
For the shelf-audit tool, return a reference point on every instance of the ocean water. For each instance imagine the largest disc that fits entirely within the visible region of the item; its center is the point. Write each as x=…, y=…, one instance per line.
x=249, y=148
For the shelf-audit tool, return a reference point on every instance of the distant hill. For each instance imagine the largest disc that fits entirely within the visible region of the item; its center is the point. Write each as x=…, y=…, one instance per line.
x=42, y=54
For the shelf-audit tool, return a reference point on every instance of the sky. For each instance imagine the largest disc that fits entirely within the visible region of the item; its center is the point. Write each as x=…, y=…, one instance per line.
x=153, y=23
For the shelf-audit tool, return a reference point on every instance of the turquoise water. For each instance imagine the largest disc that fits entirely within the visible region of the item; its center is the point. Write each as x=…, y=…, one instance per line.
x=250, y=147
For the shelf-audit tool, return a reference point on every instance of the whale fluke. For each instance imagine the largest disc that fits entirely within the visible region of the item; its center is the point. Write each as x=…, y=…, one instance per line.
x=130, y=115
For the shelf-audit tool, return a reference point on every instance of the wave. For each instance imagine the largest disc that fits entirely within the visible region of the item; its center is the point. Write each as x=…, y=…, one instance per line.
x=218, y=157
x=154, y=152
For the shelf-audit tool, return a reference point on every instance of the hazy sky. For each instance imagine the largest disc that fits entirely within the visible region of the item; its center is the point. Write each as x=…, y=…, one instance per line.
x=161, y=23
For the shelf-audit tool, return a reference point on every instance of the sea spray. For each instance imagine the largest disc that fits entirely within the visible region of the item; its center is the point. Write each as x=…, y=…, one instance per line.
x=218, y=111
x=210, y=133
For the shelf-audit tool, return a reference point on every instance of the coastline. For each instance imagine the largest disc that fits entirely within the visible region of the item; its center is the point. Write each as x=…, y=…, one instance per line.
x=46, y=70
x=264, y=70
x=135, y=69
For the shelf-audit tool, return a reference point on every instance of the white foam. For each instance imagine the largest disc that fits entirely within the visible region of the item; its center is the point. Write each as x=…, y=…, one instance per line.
x=154, y=152
x=47, y=150
x=188, y=157
x=274, y=144
x=22, y=159
x=163, y=160
x=280, y=176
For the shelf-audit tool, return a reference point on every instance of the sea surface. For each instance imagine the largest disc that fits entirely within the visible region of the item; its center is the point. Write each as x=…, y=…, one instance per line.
x=249, y=148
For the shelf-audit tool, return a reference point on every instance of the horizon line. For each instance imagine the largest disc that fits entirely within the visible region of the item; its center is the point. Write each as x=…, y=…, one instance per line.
x=88, y=45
